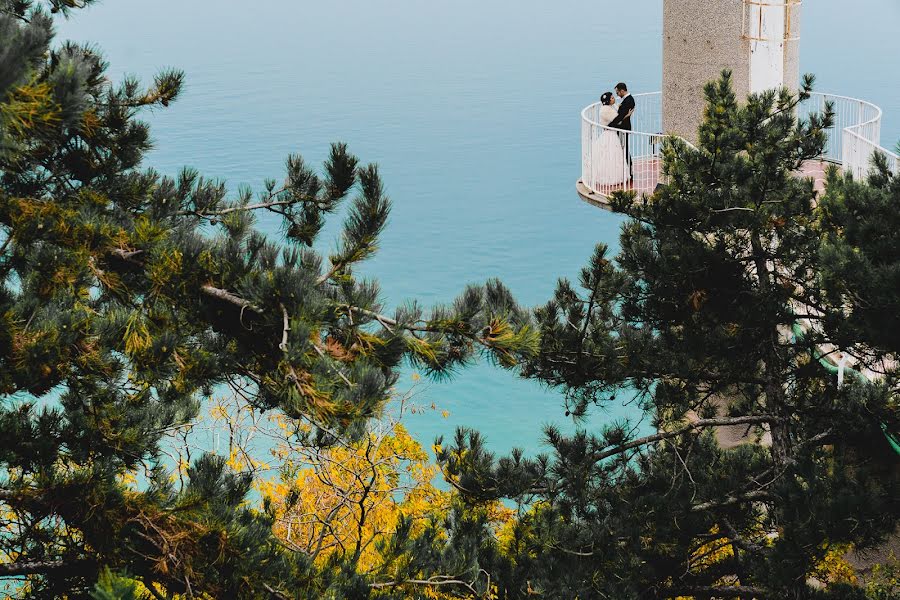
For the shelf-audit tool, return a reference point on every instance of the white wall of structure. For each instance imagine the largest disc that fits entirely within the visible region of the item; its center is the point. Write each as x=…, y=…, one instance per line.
x=765, y=30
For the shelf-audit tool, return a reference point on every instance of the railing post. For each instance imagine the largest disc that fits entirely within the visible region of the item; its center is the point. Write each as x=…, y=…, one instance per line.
x=585, y=151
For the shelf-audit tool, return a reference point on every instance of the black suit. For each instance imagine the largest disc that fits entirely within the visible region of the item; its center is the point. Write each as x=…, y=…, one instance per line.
x=623, y=119
x=623, y=122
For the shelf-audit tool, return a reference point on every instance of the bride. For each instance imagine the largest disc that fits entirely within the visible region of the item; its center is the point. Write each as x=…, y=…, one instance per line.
x=607, y=153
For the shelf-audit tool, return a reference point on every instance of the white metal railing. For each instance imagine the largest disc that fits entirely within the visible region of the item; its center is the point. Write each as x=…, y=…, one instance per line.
x=861, y=117
x=858, y=153
x=612, y=159
x=856, y=135
x=634, y=163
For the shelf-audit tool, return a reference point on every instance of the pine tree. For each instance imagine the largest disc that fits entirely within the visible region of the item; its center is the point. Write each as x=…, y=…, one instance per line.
x=732, y=290
x=127, y=298
x=861, y=259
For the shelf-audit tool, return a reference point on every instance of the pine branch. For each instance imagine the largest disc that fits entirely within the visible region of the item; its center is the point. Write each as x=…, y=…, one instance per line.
x=712, y=591
x=275, y=593
x=209, y=214
x=737, y=539
x=151, y=587
x=39, y=567
x=335, y=267
x=230, y=298
x=268, y=203
x=388, y=322
x=699, y=424
x=732, y=500
x=435, y=581
x=321, y=354
x=283, y=346
x=7, y=495
x=131, y=256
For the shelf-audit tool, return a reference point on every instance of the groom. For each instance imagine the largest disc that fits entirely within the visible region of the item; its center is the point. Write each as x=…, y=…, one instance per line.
x=623, y=120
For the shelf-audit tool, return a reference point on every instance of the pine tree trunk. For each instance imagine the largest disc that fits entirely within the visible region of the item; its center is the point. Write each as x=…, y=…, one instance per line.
x=774, y=389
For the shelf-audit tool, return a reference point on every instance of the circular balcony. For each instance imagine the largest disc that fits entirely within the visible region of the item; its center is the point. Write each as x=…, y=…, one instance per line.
x=636, y=158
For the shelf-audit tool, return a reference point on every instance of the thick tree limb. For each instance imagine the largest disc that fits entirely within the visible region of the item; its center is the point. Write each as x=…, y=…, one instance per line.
x=211, y=214
x=712, y=591
x=283, y=346
x=38, y=567
x=434, y=582
x=737, y=499
x=699, y=424
x=328, y=275
x=275, y=593
x=227, y=296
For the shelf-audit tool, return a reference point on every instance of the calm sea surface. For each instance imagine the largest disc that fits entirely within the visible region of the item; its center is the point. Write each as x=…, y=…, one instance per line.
x=471, y=109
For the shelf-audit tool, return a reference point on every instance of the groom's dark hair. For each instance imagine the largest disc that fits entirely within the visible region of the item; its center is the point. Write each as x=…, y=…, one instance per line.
x=621, y=86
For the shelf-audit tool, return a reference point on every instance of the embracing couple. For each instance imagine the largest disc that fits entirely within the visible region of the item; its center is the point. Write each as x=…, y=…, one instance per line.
x=610, y=154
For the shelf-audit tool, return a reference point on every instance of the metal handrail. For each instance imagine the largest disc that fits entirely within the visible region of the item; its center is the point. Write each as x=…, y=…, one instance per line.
x=635, y=96
x=866, y=103
x=853, y=116
x=857, y=134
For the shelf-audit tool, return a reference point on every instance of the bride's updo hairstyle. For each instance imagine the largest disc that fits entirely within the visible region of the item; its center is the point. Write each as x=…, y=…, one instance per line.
x=606, y=97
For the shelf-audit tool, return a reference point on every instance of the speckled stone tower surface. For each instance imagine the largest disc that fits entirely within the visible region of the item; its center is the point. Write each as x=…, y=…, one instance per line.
x=757, y=39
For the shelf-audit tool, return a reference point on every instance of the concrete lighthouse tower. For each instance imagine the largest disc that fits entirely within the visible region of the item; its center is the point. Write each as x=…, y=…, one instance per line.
x=757, y=39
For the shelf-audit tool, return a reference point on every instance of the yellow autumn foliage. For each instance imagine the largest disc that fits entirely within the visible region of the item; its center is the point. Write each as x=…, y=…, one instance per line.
x=30, y=108
x=347, y=497
x=834, y=568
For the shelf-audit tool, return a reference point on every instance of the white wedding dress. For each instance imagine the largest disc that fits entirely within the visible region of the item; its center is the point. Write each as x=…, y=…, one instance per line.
x=607, y=153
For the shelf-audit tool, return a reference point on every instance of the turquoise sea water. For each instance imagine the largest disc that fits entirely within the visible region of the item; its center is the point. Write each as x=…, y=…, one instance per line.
x=470, y=108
